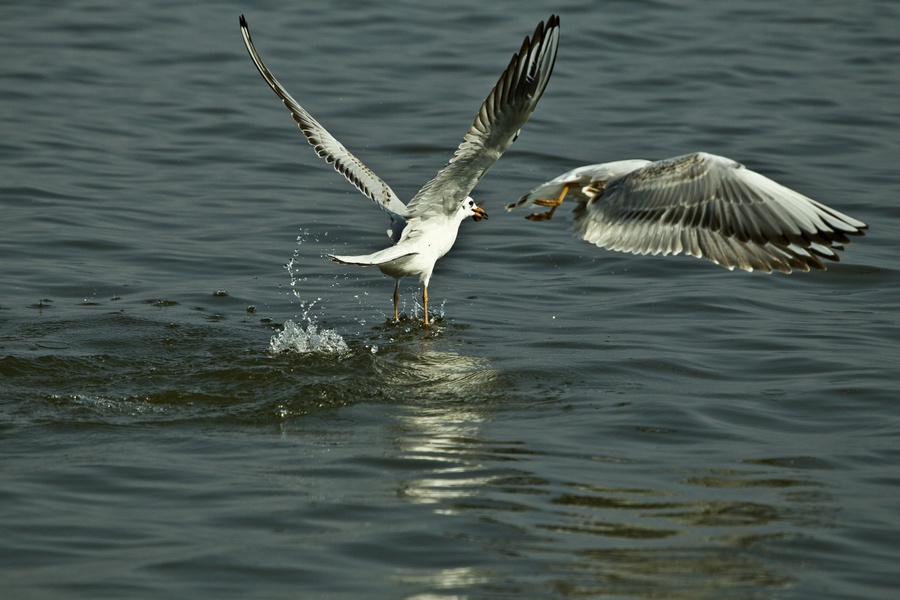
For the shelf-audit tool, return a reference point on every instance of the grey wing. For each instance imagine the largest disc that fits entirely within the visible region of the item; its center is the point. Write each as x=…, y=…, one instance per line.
x=329, y=148
x=501, y=116
x=709, y=206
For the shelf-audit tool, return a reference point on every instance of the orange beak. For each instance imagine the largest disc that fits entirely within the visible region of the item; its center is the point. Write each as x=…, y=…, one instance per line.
x=479, y=214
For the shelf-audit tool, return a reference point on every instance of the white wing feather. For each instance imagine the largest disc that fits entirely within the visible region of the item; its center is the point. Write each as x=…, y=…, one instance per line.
x=327, y=147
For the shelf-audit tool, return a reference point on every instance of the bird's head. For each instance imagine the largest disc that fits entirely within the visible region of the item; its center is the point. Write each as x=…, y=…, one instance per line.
x=471, y=209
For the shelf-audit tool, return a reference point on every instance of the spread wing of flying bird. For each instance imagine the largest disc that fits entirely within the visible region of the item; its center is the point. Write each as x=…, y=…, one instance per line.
x=698, y=204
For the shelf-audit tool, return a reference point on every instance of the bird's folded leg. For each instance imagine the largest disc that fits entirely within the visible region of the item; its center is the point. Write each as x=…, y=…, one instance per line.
x=552, y=203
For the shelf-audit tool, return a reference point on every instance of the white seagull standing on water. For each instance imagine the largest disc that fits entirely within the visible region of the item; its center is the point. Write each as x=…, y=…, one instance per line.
x=699, y=204
x=426, y=229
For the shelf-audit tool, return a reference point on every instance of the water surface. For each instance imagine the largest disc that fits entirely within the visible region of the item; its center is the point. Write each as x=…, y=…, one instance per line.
x=195, y=403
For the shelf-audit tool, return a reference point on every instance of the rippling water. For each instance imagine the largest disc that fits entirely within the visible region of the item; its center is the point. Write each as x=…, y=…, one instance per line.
x=195, y=403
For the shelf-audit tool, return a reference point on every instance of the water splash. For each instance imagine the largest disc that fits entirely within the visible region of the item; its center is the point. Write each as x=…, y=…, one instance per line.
x=296, y=337
x=292, y=266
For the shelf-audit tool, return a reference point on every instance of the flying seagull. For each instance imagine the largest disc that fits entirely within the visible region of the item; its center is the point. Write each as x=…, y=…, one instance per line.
x=425, y=229
x=699, y=204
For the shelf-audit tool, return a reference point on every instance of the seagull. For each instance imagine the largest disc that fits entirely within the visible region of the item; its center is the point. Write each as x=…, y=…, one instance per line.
x=699, y=204
x=425, y=229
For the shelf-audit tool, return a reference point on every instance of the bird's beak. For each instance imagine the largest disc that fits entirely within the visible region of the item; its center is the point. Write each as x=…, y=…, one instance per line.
x=479, y=214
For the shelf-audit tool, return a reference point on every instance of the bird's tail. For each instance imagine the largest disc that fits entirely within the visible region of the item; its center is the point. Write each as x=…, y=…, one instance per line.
x=376, y=259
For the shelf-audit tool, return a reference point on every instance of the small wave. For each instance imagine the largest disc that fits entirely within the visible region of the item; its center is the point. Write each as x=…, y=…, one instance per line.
x=294, y=338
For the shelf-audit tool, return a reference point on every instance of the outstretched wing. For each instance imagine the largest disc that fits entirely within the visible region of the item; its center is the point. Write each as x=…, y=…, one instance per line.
x=709, y=206
x=501, y=116
x=329, y=148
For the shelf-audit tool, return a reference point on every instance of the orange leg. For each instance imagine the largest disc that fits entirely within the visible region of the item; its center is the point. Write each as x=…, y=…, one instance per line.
x=553, y=204
x=425, y=302
x=396, y=301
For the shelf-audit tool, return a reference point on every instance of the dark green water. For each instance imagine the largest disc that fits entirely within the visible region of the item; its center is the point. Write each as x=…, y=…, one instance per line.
x=576, y=424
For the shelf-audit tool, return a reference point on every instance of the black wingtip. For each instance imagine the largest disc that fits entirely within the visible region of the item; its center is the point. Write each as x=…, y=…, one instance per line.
x=243, y=22
x=542, y=30
x=552, y=23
